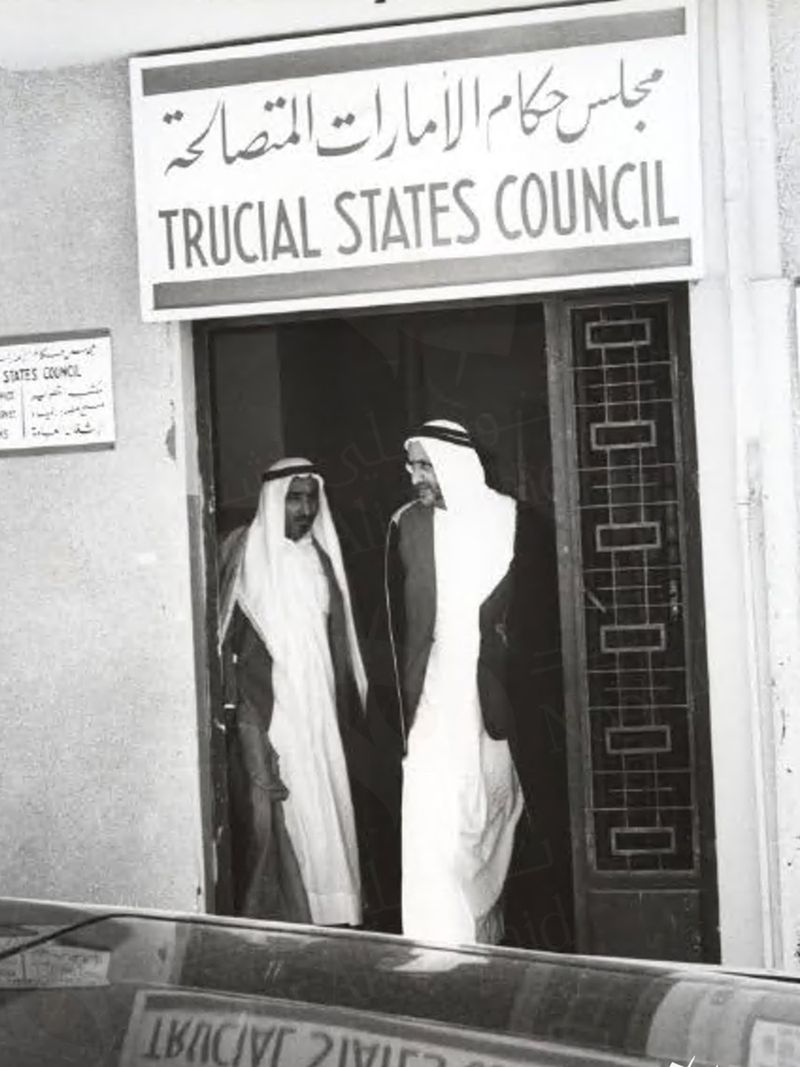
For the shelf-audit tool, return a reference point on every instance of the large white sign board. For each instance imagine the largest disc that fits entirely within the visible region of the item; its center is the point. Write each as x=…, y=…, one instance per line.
x=56, y=392
x=522, y=152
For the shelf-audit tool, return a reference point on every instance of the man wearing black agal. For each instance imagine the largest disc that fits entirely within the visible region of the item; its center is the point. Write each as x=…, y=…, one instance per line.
x=472, y=599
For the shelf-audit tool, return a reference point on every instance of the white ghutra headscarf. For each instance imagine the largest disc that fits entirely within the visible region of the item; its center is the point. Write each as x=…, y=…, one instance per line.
x=271, y=583
x=486, y=518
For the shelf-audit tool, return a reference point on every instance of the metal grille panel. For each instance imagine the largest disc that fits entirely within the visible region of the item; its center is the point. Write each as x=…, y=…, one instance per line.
x=632, y=578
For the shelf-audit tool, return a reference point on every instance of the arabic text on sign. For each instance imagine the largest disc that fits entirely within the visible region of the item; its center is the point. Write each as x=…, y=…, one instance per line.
x=382, y=124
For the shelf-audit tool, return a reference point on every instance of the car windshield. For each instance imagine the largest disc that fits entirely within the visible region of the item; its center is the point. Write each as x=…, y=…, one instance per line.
x=143, y=989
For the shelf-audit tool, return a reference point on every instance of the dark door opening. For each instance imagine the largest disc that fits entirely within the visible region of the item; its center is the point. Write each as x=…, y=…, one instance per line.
x=346, y=391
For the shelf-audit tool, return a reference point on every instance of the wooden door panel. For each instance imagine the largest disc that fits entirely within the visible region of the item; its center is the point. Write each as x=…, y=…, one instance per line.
x=633, y=633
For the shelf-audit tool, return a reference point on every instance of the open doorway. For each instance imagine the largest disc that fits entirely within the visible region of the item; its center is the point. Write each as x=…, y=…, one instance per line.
x=346, y=391
x=582, y=408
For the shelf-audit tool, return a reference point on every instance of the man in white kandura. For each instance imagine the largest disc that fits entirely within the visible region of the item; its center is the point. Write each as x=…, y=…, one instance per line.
x=448, y=557
x=286, y=609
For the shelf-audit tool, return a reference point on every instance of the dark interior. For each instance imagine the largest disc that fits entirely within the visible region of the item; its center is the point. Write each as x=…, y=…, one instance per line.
x=345, y=391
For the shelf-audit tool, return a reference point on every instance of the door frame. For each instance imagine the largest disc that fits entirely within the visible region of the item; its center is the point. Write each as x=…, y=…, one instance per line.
x=559, y=362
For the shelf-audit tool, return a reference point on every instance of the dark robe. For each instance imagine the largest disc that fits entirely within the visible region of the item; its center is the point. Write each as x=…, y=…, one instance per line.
x=520, y=688
x=266, y=875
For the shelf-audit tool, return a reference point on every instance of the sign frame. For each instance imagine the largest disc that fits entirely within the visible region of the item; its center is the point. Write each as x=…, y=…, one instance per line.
x=48, y=374
x=163, y=87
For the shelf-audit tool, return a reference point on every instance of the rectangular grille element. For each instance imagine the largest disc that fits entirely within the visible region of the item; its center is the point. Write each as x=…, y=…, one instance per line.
x=613, y=537
x=620, y=333
x=623, y=435
x=632, y=639
x=624, y=740
x=642, y=841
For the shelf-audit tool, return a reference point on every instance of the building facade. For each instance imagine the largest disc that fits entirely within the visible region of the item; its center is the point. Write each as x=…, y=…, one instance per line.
x=108, y=767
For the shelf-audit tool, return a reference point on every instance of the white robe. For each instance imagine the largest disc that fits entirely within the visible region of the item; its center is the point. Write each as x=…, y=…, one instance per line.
x=305, y=733
x=461, y=796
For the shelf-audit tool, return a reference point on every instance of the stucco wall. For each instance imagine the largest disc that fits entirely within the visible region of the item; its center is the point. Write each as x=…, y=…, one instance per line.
x=99, y=790
x=785, y=411
x=785, y=40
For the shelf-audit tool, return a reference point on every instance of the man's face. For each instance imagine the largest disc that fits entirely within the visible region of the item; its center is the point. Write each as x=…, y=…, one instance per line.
x=302, y=505
x=423, y=476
